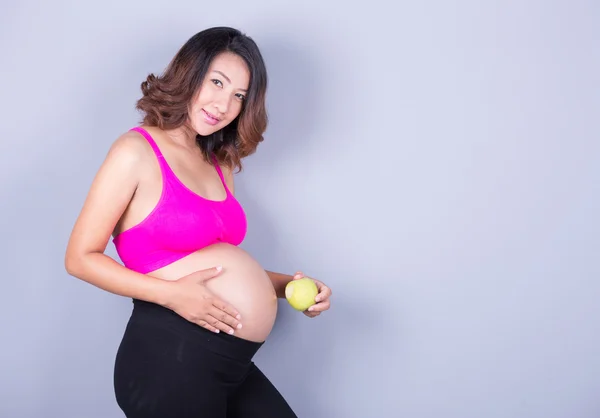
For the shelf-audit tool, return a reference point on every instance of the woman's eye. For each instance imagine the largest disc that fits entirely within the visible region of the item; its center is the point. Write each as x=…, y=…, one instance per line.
x=217, y=82
x=241, y=96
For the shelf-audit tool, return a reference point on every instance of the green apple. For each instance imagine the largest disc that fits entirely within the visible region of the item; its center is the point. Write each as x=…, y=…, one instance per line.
x=301, y=293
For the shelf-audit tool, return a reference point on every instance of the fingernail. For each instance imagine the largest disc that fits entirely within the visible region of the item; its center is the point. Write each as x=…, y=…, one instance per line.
x=238, y=316
x=239, y=326
x=219, y=268
x=311, y=309
x=216, y=331
x=231, y=332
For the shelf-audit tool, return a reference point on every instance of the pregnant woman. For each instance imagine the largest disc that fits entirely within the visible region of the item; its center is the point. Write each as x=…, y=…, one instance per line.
x=202, y=306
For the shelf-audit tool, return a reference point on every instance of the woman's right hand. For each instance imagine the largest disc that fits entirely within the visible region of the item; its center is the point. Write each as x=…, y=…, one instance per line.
x=191, y=300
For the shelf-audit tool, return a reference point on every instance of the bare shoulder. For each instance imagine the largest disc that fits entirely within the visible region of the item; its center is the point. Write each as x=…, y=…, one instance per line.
x=111, y=191
x=129, y=148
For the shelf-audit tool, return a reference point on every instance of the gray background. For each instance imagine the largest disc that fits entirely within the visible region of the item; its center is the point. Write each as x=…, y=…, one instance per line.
x=436, y=163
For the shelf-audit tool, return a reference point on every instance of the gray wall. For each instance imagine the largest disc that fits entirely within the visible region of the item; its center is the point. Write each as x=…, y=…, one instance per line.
x=436, y=163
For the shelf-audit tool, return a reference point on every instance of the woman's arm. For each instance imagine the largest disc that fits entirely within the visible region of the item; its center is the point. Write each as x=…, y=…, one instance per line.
x=279, y=281
x=110, y=193
x=109, y=196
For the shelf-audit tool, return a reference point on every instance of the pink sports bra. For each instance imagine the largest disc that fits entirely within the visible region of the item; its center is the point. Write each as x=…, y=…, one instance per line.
x=181, y=223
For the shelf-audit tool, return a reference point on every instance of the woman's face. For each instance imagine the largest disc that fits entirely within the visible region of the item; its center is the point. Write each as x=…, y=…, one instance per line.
x=221, y=96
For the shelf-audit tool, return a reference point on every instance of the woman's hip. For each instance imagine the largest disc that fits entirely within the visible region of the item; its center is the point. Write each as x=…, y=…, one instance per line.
x=164, y=360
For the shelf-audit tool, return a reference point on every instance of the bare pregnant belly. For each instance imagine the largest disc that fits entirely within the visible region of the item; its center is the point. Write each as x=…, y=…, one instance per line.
x=243, y=283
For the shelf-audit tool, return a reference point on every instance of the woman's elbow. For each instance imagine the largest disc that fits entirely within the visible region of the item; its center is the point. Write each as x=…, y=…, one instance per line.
x=74, y=260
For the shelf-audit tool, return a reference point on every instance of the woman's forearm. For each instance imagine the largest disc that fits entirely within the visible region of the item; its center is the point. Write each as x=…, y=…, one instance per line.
x=279, y=281
x=105, y=273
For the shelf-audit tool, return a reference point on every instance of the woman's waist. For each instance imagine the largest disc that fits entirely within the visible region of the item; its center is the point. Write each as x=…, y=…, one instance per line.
x=152, y=316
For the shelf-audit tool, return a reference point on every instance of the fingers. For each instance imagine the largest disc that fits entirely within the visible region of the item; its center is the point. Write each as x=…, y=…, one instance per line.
x=320, y=307
x=223, y=321
x=206, y=325
x=218, y=325
x=218, y=321
x=324, y=292
x=203, y=275
x=222, y=317
x=322, y=300
x=228, y=309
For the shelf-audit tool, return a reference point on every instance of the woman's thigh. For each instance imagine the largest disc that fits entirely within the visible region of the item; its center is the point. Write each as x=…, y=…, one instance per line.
x=159, y=373
x=257, y=397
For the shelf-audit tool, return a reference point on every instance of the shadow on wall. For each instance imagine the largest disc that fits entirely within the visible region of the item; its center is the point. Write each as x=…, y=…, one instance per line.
x=292, y=101
x=294, y=105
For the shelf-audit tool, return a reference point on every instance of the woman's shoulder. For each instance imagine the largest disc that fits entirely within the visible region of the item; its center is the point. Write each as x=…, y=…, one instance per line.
x=130, y=147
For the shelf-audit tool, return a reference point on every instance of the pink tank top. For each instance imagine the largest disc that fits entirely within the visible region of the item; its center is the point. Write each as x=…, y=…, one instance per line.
x=181, y=223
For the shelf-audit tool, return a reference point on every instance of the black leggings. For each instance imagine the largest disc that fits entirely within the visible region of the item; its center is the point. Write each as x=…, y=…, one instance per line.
x=167, y=367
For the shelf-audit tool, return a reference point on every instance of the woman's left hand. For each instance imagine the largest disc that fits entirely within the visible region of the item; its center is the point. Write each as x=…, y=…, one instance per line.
x=322, y=297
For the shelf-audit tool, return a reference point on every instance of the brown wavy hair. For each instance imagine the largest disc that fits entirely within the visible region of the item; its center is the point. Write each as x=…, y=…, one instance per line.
x=166, y=98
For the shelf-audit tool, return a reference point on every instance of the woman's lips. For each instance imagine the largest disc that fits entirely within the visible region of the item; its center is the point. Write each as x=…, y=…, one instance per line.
x=210, y=118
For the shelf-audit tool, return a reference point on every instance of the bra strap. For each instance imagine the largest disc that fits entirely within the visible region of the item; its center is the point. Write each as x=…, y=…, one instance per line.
x=218, y=168
x=149, y=139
